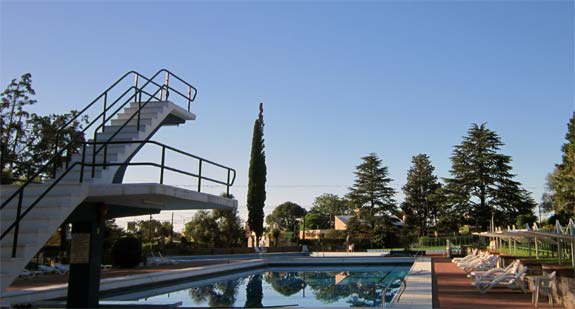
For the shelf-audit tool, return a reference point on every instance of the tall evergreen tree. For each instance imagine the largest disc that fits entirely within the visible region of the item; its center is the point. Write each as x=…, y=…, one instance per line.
x=371, y=190
x=257, y=178
x=482, y=186
x=561, y=183
x=420, y=205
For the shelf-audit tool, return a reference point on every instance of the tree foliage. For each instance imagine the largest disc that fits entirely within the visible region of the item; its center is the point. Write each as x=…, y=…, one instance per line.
x=326, y=206
x=14, y=118
x=28, y=140
x=482, y=184
x=285, y=216
x=370, y=231
x=371, y=188
x=152, y=229
x=230, y=230
x=257, y=178
x=561, y=183
x=127, y=252
x=421, y=204
x=220, y=228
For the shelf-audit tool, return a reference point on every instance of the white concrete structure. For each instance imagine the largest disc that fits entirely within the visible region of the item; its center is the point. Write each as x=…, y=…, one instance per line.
x=105, y=187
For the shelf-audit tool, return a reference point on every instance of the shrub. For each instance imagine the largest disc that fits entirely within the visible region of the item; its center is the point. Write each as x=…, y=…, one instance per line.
x=335, y=234
x=127, y=252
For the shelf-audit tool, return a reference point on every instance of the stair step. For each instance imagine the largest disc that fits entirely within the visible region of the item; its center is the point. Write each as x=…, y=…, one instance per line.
x=112, y=148
x=146, y=109
x=144, y=114
x=116, y=139
x=133, y=122
x=127, y=128
x=149, y=104
x=87, y=177
x=110, y=157
x=117, y=134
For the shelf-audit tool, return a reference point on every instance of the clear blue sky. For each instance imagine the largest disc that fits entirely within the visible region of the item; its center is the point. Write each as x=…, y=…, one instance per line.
x=339, y=79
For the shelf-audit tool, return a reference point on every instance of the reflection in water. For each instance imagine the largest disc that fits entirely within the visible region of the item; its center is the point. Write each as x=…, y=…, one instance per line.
x=220, y=294
x=285, y=283
x=254, y=292
x=359, y=288
x=311, y=288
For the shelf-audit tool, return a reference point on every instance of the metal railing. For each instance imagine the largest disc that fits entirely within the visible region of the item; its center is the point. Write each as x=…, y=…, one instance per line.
x=395, y=296
x=230, y=178
x=103, y=117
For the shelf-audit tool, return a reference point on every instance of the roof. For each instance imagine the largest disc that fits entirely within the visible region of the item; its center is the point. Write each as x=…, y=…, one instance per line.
x=344, y=219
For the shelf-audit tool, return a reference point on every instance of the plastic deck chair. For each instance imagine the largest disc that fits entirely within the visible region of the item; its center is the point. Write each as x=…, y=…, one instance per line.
x=544, y=285
x=504, y=280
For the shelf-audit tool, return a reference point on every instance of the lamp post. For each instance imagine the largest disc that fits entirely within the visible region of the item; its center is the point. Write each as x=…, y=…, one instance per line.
x=303, y=236
x=301, y=220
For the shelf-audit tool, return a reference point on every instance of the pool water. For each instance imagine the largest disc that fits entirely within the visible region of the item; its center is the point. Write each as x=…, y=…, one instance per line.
x=346, y=286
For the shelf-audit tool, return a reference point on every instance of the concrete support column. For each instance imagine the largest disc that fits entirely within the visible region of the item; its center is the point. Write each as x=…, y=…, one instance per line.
x=85, y=260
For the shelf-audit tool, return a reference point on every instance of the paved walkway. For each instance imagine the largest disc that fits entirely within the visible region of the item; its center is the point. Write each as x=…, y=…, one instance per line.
x=46, y=280
x=452, y=289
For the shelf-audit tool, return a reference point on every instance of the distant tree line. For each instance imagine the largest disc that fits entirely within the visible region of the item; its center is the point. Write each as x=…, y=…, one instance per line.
x=481, y=193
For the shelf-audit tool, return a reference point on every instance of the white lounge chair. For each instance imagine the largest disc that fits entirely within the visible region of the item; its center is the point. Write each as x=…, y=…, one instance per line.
x=480, y=259
x=50, y=270
x=25, y=274
x=472, y=259
x=473, y=255
x=160, y=260
x=504, y=280
x=509, y=269
x=62, y=268
x=483, y=265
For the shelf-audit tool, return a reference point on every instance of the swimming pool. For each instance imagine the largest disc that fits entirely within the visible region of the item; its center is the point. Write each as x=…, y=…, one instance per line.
x=302, y=286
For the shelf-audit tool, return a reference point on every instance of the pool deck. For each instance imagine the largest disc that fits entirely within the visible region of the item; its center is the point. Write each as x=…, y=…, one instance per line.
x=433, y=282
x=452, y=289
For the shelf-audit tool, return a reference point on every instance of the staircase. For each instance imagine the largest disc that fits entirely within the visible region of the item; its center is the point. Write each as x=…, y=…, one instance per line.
x=44, y=207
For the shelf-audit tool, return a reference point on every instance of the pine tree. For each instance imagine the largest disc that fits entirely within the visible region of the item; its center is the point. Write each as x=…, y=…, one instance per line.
x=561, y=182
x=420, y=204
x=27, y=140
x=257, y=178
x=482, y=186
x=371, y=190
x=13, y=125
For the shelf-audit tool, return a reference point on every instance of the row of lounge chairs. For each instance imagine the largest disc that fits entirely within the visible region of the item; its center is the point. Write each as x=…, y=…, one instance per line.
x=57, y=269
x=480, y=268
x=159, y=259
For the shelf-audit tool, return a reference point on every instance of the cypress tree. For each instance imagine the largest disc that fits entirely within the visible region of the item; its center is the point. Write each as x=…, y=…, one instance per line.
x=257, y=178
